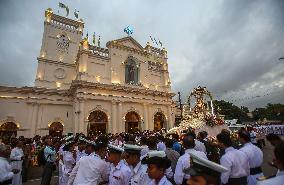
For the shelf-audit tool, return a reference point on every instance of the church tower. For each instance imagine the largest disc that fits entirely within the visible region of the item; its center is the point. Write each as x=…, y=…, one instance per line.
x=59, y=49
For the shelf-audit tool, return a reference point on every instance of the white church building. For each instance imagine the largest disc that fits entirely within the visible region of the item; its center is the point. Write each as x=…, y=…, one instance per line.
x=81, y=87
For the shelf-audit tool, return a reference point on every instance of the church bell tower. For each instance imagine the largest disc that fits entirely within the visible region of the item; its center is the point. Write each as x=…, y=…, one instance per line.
x=59, y=49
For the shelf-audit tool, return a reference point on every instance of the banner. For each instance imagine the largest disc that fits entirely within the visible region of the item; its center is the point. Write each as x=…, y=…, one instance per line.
x=267, y=129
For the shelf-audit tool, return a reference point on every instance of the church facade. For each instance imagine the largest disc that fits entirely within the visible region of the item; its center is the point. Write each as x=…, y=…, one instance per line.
x=82, y=87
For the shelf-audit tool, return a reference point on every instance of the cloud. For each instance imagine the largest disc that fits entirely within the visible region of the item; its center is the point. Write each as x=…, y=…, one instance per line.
x=231, y=47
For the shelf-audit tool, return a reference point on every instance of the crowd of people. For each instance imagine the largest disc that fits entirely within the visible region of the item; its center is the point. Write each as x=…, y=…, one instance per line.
x=145, y=158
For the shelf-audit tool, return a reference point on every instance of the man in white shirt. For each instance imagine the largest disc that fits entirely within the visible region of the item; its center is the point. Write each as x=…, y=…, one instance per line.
x=139, y=174
x=80, y=152
x=120, y=174
x=199, y=146
x=184, y=161
x=279, y=162
x=255, y=157
x=92, y=169
x=16, y=157
x=234, y=160
x=157, y=165
x=6, y=171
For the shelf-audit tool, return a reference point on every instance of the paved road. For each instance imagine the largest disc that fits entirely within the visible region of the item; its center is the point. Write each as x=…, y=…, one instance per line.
x=35, y=173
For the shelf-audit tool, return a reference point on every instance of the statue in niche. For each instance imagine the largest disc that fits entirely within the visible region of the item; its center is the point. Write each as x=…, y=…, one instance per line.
x=131, y=76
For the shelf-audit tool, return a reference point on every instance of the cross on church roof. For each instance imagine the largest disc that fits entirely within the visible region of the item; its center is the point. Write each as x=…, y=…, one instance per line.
x=128, y=30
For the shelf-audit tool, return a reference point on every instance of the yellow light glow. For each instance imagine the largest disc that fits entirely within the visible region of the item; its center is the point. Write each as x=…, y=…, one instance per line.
x=115, y=81
x=58, y=84
x=98, y=78
x=60, y=58
x=156, y=87
x=43, y=54
x=39, y=76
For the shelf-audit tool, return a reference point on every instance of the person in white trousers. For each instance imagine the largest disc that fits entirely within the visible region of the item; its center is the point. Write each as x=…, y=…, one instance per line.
x=16, y=158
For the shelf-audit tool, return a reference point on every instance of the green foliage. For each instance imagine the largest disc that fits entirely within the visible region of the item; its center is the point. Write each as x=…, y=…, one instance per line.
x=231, y=111
x=270, y=112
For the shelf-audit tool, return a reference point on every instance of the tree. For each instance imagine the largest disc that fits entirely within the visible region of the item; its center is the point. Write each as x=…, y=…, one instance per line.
x=231, y=111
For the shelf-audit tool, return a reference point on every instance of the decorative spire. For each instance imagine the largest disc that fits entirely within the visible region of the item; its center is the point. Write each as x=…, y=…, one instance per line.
x=48, y=13
x=99, y=41
x=94, y=38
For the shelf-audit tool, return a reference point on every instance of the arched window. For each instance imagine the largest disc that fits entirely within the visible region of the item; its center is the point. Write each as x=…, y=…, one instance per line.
x=131, y=72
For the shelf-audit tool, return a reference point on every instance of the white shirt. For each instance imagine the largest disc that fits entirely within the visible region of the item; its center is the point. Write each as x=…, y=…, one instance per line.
x=236, y=162
x=16, y=158
x=139, y=175
x=163, y=181
x=161, y=146
x=254, y=154
x=253, y=137
x=90, y=170
x=199, y=146
x=120, y=174
x=68, y=162
x=277, y=180
x=184, y=163
x=80, y=154
x=5, y=170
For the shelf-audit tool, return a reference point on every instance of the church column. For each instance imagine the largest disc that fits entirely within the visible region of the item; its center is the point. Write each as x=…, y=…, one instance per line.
x=76, y=117
x=150, y=118
x=33, y=116
x=120, y=123
x=146, y=119
x=114, y=122
x=39, y=120
x=82, y=117
x=170, y=121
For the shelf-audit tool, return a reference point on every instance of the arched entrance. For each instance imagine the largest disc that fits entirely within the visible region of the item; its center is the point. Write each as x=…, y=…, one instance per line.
x=97, y=123
x=8, y=130
x=132, y=120
x=159, y=121
x=55, y=129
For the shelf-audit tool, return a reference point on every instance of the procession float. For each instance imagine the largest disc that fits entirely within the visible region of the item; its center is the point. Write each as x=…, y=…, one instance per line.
x=201, y=117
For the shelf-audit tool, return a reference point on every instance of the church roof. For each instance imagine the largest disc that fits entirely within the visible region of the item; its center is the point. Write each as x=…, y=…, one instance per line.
x=127, y=41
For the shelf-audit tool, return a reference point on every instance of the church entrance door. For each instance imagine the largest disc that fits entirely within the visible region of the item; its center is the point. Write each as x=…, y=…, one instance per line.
x=55, y=129
x=159, y=121
x=97, y=123
x=132, y=120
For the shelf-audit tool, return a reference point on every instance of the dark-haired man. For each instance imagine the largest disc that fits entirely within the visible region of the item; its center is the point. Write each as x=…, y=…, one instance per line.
x=184, y=161
x=254, y=154
x=203, y=171
x=157, y=166
x=132, y=156
x=119, y=172
x=234, y=160
x=92, y=169
x=279, y=162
